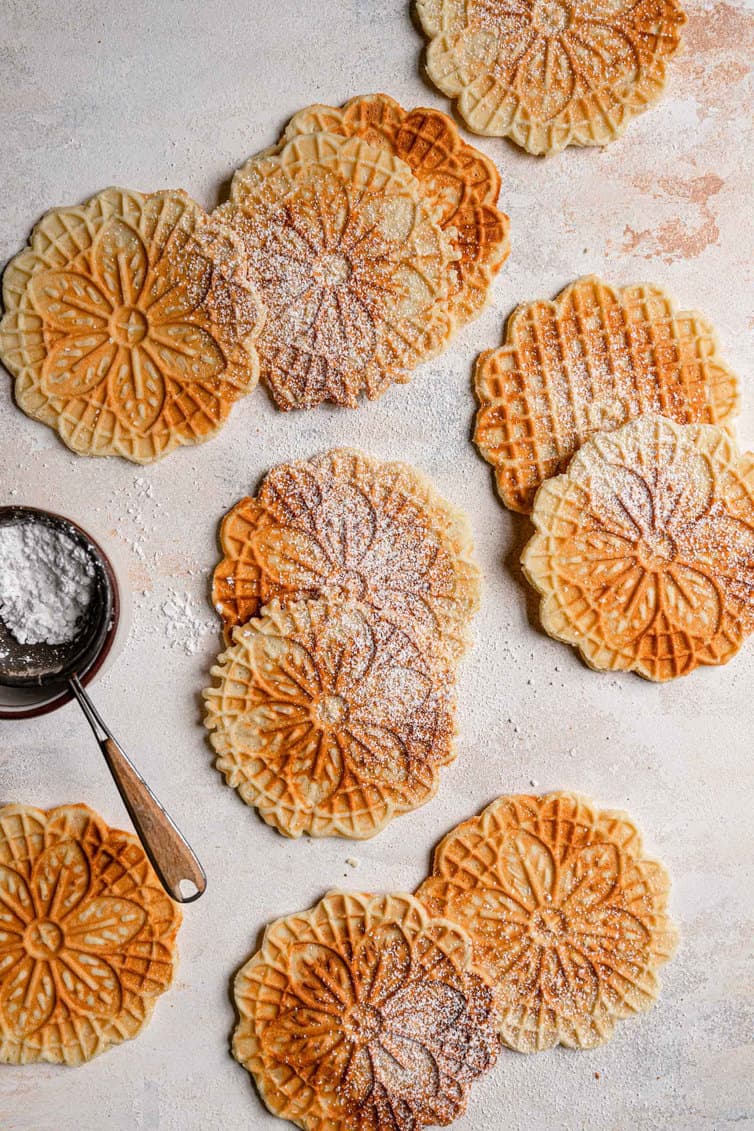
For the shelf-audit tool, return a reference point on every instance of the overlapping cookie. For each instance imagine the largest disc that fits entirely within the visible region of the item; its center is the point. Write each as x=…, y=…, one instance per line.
x=343, y=524
x=346, y=591
x=372, y=233
x=329, y=719
x=87, y=935
x=567, y=918
x=130, y=324
x=364, y=1012
x=550, y=73
x=589, y=362
x=457, y=180
x=644, y=551
x=351, y=262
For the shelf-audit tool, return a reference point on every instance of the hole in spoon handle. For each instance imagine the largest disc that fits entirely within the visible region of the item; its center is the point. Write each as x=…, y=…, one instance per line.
x=170, y=853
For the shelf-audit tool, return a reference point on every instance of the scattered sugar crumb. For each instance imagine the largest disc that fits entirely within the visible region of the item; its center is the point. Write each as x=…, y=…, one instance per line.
x=185, y=626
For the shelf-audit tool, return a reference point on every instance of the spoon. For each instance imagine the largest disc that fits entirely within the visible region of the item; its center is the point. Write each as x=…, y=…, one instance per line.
x=45, y=665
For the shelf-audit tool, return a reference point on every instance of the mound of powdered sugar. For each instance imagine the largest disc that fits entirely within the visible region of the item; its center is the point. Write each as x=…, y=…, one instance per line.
x=46, y=583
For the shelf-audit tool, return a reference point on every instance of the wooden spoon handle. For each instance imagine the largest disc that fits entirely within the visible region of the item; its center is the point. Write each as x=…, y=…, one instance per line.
x=170, y=853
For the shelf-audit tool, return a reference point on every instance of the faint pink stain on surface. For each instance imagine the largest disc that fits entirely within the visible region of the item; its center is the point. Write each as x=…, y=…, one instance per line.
x=677, y=238
x=720, y=28
x=718, y=54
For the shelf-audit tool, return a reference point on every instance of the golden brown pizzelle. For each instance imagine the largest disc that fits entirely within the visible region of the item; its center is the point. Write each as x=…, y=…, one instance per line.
x=591, y=360
x=550, y=73
x=329, y=719
x=644, y=551
x=567, y=917
x=363, y=1014
x=87, y=935
x=351, y=262
x=130, y=324
x=345, y=524
x=459, y=181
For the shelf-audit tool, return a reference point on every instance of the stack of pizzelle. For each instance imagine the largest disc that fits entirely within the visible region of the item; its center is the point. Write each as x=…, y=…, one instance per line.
x=542, y=923
x=347, y=254
x=607, y=416
x=372, y=233
x=346, y=590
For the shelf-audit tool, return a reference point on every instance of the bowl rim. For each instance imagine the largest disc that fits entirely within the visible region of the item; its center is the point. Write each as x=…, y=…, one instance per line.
x=66, y=696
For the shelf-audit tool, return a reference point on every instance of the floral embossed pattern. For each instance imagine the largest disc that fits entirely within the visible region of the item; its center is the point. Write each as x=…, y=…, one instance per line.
x=87, y=935
x=351, y=262
x=459, y=182
x=589, y=362
x=345, y=525
x=566, y=916
x=329, y=719
x=362, y=1014
x=129, y=325
x=551, y=73
x=644, y=551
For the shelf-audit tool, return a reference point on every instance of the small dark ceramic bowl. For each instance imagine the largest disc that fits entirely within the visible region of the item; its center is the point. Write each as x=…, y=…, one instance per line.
x=28, y=702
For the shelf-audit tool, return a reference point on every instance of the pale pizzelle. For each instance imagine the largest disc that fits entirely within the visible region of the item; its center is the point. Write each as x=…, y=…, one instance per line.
x=460, y=183
x=550, y=73
x=566, y=915
x=644, y=551
x=329, y=719
x=346, y=524
x=129, y=324
x=351, y=262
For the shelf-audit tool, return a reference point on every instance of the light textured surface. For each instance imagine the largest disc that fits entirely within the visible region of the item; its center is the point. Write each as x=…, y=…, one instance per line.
x=161, y=94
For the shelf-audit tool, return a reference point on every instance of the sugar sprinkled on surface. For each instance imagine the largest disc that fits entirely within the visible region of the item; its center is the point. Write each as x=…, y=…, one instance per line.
x=185, y=629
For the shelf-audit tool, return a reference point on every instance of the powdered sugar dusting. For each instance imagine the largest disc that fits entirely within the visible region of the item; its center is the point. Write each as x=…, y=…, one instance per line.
x=343, y=524
x=46, y=583
x=350, y=263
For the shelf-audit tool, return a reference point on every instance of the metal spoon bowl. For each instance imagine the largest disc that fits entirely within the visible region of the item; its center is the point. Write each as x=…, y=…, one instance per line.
x=50, y=665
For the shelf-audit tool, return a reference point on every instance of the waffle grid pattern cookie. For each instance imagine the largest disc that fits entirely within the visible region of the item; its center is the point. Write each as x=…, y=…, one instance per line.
x=589, y=362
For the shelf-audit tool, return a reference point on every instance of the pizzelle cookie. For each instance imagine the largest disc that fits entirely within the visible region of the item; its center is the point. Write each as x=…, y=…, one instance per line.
x=644, y=551
x=363, y=1014
x=590, y=361
x=345, y=524
x=350, y=260
x=566, y=916
x=550, y=73
x=87, y=935
x=129, y=325
x=459, y=182
x=329, y=719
